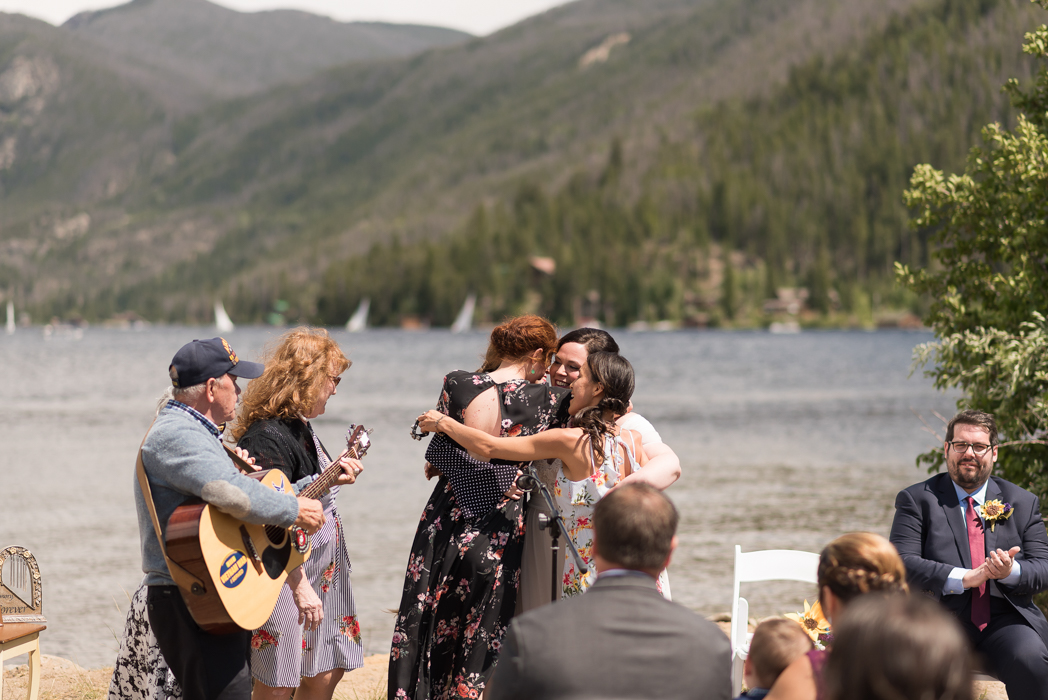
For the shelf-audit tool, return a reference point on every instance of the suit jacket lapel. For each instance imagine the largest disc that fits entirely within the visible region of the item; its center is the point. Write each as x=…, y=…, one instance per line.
x=990, y=536
x=952, y=510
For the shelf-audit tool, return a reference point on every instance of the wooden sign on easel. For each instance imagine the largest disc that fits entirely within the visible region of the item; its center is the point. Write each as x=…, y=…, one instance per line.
x=21, y=595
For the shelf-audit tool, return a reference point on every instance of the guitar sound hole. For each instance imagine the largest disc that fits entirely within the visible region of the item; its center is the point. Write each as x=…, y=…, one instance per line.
x=275, y=559
x=275, y=534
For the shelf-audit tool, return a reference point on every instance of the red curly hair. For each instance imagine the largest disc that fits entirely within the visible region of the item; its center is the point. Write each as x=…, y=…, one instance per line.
x=516, y=338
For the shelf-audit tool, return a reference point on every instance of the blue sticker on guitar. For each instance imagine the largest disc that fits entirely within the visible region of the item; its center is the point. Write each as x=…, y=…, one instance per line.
x=233, y=570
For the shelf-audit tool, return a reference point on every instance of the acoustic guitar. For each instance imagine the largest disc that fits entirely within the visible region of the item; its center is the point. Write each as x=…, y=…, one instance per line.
x=240, y=567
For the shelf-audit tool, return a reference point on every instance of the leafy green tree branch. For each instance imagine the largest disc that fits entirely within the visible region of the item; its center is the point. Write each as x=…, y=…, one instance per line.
x=987, y=278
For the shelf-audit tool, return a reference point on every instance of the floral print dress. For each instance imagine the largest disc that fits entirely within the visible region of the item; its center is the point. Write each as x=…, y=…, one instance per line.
x=140, y=671
x=460, y=589
x=576, y=501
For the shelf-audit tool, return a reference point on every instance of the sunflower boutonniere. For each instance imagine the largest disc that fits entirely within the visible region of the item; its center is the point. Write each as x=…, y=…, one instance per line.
x=995, y=511
x=814, y=623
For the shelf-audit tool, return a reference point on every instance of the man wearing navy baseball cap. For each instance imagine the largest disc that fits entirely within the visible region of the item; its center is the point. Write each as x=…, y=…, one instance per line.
x=201, y=360
x=182, y=458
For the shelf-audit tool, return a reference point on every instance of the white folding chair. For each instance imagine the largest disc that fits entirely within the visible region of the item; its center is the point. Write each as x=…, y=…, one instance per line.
x=765, y=565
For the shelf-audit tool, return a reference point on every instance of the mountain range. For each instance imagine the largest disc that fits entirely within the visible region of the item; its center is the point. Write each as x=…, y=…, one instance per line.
x=165, y=153
x=220, y=53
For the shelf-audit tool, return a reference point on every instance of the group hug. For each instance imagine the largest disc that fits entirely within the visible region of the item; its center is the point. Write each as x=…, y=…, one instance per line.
x=489, y=609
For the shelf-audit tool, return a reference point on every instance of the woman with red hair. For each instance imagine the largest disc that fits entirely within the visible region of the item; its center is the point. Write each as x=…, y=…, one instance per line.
x=460, y=590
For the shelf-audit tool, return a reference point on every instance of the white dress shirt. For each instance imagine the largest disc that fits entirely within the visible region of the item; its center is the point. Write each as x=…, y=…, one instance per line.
x=616, y=573
x=953, y=585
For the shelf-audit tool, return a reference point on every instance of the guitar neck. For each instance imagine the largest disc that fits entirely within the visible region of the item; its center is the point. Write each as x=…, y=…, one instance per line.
x=323, y=482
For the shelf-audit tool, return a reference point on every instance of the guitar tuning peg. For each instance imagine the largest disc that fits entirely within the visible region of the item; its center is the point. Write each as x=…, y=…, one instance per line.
x=370, y=430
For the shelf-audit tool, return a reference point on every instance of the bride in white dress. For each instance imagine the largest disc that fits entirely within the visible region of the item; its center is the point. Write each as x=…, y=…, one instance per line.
x=592, y=457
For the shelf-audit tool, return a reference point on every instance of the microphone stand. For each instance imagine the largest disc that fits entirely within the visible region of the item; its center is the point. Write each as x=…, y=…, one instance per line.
x=528, y=481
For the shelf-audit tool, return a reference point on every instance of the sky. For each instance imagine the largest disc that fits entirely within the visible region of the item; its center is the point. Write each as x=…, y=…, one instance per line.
x=475, y=16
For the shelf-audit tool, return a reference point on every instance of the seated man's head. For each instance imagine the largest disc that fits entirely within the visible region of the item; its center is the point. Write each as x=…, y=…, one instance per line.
x=898, y=647
x=634, y=527
x=971, y=449
x=775, y=645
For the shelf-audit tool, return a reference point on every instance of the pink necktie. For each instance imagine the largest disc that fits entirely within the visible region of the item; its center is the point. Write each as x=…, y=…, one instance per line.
x=980, y=596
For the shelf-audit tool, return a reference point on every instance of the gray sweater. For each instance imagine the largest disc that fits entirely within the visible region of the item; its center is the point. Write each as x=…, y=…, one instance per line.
x=182, y=461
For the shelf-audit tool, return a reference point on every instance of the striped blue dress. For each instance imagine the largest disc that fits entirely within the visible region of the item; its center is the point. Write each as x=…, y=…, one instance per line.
x=281, y=650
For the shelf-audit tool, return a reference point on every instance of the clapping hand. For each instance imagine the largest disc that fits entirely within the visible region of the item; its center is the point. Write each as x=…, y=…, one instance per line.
x=996, y=566
x=999, y=563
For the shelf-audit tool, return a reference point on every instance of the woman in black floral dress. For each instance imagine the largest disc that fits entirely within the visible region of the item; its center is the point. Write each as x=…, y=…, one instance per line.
x=461, y=585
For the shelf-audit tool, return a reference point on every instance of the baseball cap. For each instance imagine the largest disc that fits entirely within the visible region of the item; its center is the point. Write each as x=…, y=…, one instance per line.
x=200, y=360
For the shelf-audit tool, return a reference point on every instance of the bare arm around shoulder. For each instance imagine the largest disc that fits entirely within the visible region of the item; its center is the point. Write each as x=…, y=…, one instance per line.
x=659, y=471
x=550, y=444
x=662, y=468
x=796, y=682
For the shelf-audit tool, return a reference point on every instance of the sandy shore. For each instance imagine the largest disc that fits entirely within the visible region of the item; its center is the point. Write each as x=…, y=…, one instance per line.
x=61, y=679
x=64, y=680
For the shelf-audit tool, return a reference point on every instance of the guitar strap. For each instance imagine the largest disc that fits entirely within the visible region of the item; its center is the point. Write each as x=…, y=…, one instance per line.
x=185, y=580
x=240, y=464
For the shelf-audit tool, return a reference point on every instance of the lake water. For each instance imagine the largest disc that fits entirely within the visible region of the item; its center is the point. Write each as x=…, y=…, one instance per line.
x=785, y=442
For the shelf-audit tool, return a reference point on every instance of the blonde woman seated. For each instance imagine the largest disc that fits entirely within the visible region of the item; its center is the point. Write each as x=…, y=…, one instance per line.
x=592, y=457
x=850, y=566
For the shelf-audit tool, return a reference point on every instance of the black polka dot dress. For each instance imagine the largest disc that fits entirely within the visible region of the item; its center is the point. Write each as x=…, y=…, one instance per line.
x=460, y=589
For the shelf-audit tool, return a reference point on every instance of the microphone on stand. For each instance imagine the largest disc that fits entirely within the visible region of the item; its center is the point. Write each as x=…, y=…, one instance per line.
x=529, y=481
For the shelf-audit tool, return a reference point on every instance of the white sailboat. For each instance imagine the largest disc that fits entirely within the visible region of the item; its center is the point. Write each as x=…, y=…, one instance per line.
x=223, y=323
x=10, y=318
x=464, y=320
x=359, y=320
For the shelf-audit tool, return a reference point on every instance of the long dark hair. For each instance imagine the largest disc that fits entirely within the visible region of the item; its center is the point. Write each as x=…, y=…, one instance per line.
x=615, y=373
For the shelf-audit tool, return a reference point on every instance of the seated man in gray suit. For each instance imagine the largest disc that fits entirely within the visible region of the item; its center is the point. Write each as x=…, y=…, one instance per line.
x=621, y=639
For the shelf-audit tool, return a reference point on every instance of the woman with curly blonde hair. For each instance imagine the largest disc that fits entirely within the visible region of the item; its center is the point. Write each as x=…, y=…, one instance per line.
x=296, y=373
x=313, y=636
x=852, y=565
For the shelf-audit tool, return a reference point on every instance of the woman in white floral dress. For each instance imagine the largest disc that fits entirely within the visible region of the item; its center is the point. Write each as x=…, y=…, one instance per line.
x=585, y=473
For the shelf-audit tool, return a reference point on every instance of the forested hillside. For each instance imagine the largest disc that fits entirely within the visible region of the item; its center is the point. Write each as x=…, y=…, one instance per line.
x=702, y=162
x=801, y=188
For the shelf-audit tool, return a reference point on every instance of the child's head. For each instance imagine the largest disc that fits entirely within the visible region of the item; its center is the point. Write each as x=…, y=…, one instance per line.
x=775, y=645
